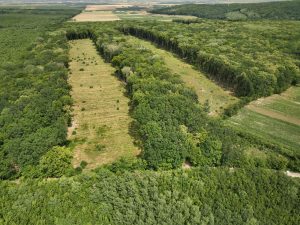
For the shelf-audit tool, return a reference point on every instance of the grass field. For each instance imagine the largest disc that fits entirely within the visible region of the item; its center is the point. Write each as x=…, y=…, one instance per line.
x=100, y=131
x=275, y=118
x=217, y=97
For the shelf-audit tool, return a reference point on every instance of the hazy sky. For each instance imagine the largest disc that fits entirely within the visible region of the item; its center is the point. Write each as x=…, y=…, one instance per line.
x=114, y=1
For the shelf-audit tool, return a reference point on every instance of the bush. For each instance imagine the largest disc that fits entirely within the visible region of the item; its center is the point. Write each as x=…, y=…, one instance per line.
x=56, y=162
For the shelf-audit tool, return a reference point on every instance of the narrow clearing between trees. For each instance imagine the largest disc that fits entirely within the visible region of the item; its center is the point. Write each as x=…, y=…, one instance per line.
x=206, y=89
x=100, y=131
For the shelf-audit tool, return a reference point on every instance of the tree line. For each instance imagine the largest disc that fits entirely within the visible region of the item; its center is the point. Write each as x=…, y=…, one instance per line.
x=218, y=48
x=245, y=11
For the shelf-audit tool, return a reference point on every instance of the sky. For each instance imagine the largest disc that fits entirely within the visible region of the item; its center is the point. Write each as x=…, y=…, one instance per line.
x=124, y=1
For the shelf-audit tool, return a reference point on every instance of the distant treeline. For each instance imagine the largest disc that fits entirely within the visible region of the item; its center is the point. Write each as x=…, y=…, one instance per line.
x=268, y=10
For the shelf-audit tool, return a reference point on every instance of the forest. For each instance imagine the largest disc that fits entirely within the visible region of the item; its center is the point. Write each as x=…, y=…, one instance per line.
x=246, y=11
x=199, y=196
x=248, y=59
x=34, y=89
x=193, y=168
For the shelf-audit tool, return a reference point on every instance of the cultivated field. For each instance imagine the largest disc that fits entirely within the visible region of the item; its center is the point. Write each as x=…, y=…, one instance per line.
x=94, y=16
x=275, y=118
x=100, y=130
x=95, y=13
x=106, y=7
x=206, y=90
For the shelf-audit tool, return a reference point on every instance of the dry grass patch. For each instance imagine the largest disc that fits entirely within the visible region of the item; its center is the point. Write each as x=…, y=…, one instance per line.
x=101, y=123
x=95, y=16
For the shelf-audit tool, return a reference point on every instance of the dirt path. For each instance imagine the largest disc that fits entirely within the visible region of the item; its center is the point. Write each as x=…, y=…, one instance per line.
x=274, y=114
x=292, y=174
x=100, y=130
x=217, y=97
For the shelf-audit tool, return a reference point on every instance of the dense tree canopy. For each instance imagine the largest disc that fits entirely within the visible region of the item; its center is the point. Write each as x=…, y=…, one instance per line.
x=250, y=11
x=253, y=58
x=34, y=93
x=199, y=196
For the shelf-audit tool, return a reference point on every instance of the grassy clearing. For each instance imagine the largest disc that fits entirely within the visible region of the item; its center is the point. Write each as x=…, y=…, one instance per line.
x=100, y=131
x=277, y=131
x=217, y=97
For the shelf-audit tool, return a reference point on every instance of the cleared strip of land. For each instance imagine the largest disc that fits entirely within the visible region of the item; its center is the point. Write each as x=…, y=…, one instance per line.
x=206, y=89
x=100, y=131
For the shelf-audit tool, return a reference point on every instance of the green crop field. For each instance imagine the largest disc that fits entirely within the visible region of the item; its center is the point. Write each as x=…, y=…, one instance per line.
x=275, y=118
x=274, y=130
x=287, y=103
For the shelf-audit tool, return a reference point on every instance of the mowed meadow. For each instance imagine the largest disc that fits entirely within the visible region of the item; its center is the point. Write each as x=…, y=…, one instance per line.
x=101, y=122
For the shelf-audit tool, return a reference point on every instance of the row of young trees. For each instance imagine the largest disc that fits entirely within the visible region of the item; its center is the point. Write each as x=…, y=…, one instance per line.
x=241, y=56
x=171, y=124
x=197, y=196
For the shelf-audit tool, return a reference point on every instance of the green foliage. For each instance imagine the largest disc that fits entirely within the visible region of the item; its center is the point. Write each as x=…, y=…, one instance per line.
x=250, y=11
x=127, y=165
x=34, y=91
x=252, y=58
x=56, y=162
x=197, y=196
